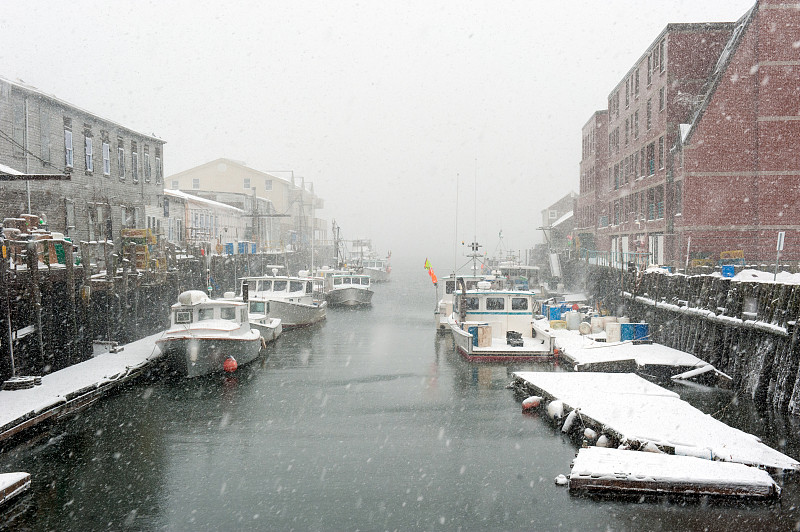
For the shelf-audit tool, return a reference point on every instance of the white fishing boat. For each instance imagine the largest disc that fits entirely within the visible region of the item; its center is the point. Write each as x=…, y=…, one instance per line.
x=379, y=270
x=290, y=299
x=208, y=335
x=348, y=289
x=258, y=314
x=492, y=325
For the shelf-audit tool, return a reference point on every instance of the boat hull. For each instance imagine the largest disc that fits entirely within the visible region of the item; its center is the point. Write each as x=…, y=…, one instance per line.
x=294, y=315
x=270, y=328
x=350, y=297
x=193, y=356
x=377, y=276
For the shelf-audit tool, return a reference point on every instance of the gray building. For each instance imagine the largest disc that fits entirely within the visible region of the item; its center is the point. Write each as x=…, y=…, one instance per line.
x=116, y=174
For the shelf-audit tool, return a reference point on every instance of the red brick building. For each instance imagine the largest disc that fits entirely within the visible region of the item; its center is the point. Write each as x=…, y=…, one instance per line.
x=702, y=143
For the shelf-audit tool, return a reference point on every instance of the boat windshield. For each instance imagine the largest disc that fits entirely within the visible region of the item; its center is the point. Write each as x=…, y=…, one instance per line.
x=495, y=303
x=228, y=313
x=472, y=303
x=183, y=316
x=449, y=287
x=259, y=307
x=295, y=286
x=204, y=314
x=279, y=286
x=519, y=303
x=264, y=286
x=337, y=280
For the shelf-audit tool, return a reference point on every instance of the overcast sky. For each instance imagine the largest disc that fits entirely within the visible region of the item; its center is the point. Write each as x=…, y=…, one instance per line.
x=387, y=107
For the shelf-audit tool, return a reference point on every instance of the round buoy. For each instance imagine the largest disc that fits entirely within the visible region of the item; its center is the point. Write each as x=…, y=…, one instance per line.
x=590, y=434
x=555, y=409
x=230, y=365
x=603, y=441
x=534, y=401
x=561, y=480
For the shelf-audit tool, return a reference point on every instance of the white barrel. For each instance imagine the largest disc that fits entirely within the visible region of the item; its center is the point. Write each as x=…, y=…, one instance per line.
x=590, y=434
x=597, y=324
x=573, y=320
x=613, y=332
x=585, y=328
x=608, y=319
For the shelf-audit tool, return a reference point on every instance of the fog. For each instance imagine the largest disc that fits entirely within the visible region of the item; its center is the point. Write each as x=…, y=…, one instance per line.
x=388, y=108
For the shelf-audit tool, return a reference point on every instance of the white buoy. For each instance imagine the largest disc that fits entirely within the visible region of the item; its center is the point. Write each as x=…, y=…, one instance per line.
x=651, y=447
x=602, y=441
x=534, y=401
x=555, y=409
x=561, y=480
x=585, y=328
x=590, y=434
x=569, y=421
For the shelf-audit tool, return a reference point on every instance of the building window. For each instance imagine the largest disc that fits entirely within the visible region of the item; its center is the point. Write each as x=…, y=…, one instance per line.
x=196, y=184
x=68, y=153
x=247, y=183
x=661, y=99
x=88, y=151
x=678, y=197
x=627, y=92
x=651, y=204
x=642, y=168
x=659, y=202
x=106, y=159
x=661, y=152
x=159, y=169
x=120, y=159
x=636, y=124
x=268, y=184
x=18, y=132
x=44, y=135
x=146, y=163
x=553, y=215
x=627, y=129
x=661, y=54
x=649, y=70
x=175, y=184
x=134, y=162
x=69, y=207
x=636, y=82
x=649, y=113
x=651, y=158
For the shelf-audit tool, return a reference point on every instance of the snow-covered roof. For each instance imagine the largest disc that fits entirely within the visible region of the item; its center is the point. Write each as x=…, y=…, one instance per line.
x=24, y=86
x=8, y=170
x=198, y=199
x=562, y=219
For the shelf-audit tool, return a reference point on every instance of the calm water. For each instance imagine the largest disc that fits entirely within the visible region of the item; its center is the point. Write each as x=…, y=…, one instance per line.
x=366, y=422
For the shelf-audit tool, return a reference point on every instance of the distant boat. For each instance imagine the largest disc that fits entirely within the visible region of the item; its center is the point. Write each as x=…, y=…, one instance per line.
x=491, y=325
x=347, y=289
x=290, y=299
x=208, y=335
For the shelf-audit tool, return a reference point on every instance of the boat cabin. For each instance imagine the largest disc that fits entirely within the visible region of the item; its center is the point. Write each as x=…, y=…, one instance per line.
x=195, y=309
x=504, y=310
x=348, y=280
x=279, y=286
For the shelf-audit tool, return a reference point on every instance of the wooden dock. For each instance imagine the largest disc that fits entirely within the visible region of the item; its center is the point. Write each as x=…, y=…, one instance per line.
x=636, y=413
x=72, y=389
x=597, y=469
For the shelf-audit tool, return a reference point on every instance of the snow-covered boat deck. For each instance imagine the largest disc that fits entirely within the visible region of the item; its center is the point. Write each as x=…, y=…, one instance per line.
x=600, y=469
x=12, y=484
x=587, y=354
x=635, y=411
x=75, y=387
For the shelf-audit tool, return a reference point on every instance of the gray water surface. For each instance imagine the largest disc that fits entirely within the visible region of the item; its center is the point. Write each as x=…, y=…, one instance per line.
x=369, y=421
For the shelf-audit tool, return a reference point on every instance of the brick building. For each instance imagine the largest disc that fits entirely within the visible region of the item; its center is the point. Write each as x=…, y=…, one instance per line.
x=116, y=174
x=699, y=144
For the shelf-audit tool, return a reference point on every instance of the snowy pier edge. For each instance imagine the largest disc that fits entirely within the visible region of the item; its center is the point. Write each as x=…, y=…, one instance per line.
x=71, y=389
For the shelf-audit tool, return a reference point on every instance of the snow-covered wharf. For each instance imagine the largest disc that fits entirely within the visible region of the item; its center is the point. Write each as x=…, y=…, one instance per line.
x=75, y=387
x=599, y=469
x=13, y=484
x=635, y=413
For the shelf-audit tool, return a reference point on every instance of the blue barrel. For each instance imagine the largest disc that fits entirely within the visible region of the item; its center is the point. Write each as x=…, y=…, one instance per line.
x=641, y=331
x=728, y=271
x=229, y=248
x=473, y=330
x=555, y=313
x=627, y=331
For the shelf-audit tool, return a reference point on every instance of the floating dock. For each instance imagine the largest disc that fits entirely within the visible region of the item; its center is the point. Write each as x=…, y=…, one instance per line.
x=597, y=469
x=73, y=388
x=585, y=353
x=13, y=484
x=634, y=412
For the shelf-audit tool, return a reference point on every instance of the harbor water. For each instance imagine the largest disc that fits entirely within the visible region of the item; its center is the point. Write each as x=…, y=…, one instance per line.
x=368, y=421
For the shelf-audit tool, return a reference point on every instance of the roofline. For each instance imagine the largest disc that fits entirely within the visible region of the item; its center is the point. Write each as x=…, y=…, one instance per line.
x=745, y=20
x=198, y=199
x=233, y=162
x=64, y=103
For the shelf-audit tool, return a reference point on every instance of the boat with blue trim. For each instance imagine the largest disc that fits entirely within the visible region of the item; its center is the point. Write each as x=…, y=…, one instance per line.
x=492, y=325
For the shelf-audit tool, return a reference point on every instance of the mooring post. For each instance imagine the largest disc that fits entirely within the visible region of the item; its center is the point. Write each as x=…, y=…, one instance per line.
x=32, y=259
x=6, y=337
x=73, y=321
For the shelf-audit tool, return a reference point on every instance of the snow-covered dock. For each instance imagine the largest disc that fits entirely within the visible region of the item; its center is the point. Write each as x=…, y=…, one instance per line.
x=634, y=412
x=585, y=353
x=615, y=470
x=12, y=484
x=70, y=389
